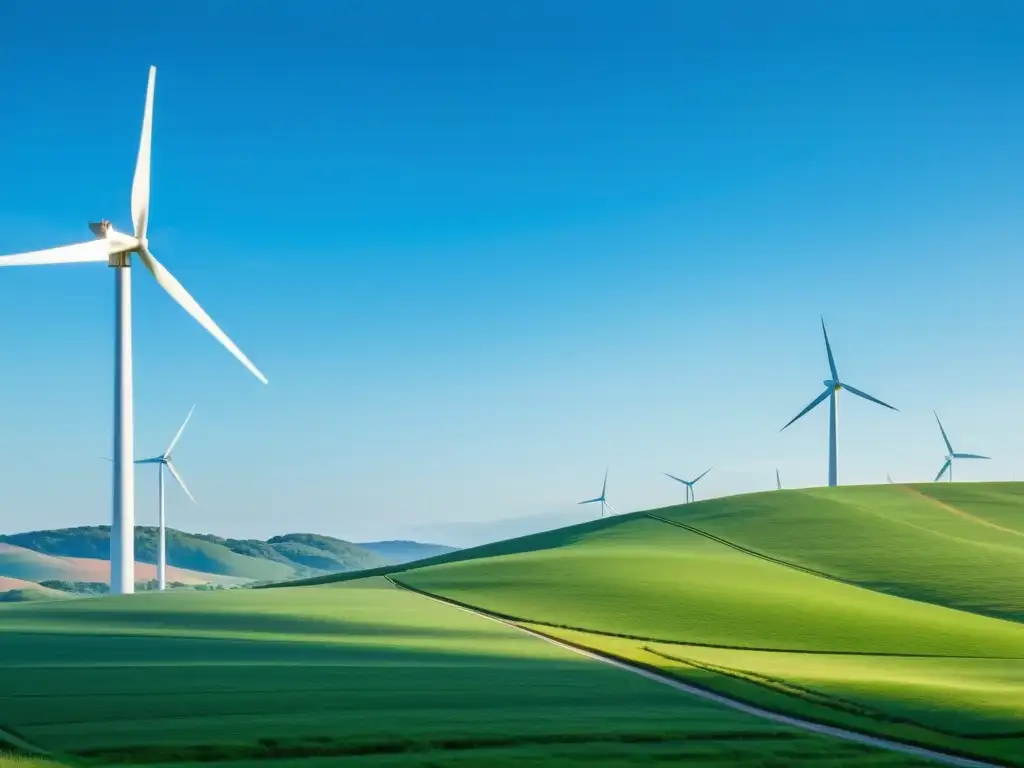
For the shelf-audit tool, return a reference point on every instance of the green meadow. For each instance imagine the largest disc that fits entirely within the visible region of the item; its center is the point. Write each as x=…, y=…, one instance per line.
x=894, y=611
x=357, y=674
x=891, y=610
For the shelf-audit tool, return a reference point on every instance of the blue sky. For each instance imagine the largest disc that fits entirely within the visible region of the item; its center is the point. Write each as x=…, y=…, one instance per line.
x=482, y=251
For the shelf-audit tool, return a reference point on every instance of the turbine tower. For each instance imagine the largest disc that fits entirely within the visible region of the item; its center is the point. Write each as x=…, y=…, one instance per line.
x=831, y=393
x=602, y=498
x=688, y=483
x=116, y=249
x=164, y=460
x=778, y=480
x=952, y=454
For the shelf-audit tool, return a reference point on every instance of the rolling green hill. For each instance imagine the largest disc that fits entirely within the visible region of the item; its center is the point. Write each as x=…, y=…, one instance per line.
x=281, y=557
x=20, y=563
x=896, y=610
x=954, y=544
x=361, y=674
x=14, y=590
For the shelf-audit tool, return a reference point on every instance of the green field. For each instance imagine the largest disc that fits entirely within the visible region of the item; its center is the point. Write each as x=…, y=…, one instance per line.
x=360, y=671
x=893, y=610
x=954, y=544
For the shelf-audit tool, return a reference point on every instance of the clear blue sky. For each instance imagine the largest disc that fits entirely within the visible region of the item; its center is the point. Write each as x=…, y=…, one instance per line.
x=481, y=251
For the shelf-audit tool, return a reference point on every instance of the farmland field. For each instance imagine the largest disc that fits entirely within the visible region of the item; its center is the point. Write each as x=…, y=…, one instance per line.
x=891, y=610
x=856, y=624
x=362, y=671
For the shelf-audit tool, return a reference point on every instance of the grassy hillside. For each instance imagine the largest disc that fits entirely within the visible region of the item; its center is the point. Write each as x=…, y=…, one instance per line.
x=21, y=591
x=292, y=555
x=887, y=609
x=362, y=671
x=24, y=564
x=641, y=577
x=952, y=544
x=206, y=554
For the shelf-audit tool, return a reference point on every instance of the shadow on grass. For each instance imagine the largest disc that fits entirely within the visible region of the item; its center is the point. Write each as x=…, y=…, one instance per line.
x=113, y=621
x=271, y=749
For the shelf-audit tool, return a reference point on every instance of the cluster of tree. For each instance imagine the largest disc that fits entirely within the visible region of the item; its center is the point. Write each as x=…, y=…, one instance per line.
x=99, y=588
x=77, y=587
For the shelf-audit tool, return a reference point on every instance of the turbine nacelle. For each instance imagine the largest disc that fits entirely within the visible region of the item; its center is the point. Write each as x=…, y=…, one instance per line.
x=119, y=244
x=835, y=386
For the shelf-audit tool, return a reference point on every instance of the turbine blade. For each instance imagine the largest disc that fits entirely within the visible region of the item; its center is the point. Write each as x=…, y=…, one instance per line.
x=604, y=485
x=611, y=508
x=969, y=456
x=866, y=396
x=181, y=429
x=181, y=482
x=692, y=482
x=778, y=481
x=591, y=501
x=170, y=284
x=942, y=471
x=140, y=184
x=828, y=348
x=79, y=253
x=943, y=431
x=677, y=479
x=814, y=403
x=888, y=479
x=154, y=460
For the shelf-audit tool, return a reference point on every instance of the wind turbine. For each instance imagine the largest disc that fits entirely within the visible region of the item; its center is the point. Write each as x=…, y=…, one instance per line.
x=952, y=455
x=888, y=479
x=164, y=460
x=602, y=498
x=778, y=480
x=116, y=249
x=688, y=483
x=831, y=393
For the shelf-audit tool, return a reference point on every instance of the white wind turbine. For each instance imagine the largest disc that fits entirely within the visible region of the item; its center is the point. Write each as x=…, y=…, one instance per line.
x=116, y=249
x=952, y=454
x=688, y=483
x=164, y=460
x=831, y=393
x=602, y=498
x=778, y=480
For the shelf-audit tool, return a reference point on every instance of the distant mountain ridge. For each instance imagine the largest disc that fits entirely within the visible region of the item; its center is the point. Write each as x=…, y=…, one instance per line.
x=292, y=555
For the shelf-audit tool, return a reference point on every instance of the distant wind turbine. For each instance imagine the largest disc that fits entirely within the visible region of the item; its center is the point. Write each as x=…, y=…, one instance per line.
x=952, y=454
x=831, y=393
x=602, y=498
x=778, y=480
x=164, y=460
x=115, y=249
x=688, y=483
x=888, y=479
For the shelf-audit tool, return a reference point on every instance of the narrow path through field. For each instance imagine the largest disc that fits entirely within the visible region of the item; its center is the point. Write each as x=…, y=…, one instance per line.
x=807, y=725
x=959, y=512
x=9, y=739
x=747, y=550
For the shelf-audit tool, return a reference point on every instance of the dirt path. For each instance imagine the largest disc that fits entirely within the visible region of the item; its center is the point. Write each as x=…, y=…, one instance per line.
x=9, y=739
x=959, y=512
x=765, y=714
